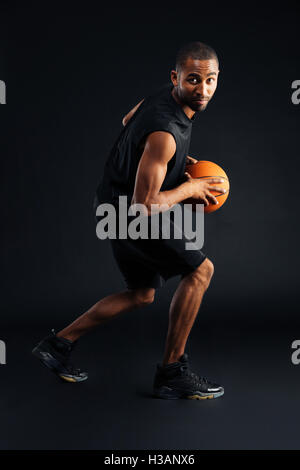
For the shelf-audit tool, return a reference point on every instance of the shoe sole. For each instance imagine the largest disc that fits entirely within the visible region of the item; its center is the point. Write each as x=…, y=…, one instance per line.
x=170, y=394
x=51, y=363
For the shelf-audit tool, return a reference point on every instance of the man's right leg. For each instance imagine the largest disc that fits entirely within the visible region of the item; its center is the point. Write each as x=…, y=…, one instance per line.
x=54, y=350
x=107, y=308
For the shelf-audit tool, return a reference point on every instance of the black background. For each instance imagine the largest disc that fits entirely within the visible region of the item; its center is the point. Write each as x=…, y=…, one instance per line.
x=71, y=76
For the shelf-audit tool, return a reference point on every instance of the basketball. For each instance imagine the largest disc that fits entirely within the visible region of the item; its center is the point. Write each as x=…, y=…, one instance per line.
x=206, y=170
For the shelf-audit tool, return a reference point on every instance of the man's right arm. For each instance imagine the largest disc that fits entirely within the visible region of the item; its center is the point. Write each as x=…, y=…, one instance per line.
x=131, y=113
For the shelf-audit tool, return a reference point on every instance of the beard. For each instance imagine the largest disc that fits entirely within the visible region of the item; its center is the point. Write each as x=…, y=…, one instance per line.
x=197, y=107
x=188, y=101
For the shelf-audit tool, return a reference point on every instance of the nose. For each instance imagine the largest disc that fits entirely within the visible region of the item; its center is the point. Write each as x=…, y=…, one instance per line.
x=202, y=90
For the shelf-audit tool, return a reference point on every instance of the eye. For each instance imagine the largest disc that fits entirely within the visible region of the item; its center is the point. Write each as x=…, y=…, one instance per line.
x=191, y=80
x=210, y=79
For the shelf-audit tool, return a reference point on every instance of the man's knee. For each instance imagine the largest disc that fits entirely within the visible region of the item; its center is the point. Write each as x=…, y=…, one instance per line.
x=143, y=296
x=203, y=273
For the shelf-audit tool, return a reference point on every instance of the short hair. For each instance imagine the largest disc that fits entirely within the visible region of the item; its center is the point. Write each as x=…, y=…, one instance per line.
x=196, y=50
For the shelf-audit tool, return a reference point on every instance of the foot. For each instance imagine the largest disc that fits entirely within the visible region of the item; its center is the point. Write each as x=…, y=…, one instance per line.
x=176, y=380
x=54, y=353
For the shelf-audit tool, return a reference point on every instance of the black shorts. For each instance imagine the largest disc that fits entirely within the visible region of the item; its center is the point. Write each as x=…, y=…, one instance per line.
x=147, y=262
x=143, y=263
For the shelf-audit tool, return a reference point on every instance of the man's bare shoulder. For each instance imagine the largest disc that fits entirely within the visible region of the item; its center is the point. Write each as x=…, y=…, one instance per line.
x=160, y=144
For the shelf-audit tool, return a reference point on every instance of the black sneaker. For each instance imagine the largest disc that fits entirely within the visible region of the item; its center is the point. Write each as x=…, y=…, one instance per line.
x=54, y=353
x=176, y=380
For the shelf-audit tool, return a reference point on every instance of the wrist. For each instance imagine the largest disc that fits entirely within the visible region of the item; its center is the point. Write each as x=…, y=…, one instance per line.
x=188, y=189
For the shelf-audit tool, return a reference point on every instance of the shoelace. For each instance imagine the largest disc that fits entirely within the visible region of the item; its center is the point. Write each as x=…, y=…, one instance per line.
x=73, y=370
x=68, y=349
x=196, y=379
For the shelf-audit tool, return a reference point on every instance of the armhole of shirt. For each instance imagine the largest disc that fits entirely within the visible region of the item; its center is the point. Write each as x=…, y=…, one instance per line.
x=150, y=97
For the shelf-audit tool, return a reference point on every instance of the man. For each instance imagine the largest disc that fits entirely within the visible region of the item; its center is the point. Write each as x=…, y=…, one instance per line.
x=147, y=164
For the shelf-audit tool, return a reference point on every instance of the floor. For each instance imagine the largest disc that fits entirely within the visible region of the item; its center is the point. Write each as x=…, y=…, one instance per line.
x=115, y=410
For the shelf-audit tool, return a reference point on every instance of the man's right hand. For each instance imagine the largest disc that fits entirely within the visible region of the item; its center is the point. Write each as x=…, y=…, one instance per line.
x=200, y=189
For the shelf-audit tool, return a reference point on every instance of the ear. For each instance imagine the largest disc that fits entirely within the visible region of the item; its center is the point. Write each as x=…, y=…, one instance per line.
x=174, y=77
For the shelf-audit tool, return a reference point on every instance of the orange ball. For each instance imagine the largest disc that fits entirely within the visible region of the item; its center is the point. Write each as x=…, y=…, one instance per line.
x=206, y=170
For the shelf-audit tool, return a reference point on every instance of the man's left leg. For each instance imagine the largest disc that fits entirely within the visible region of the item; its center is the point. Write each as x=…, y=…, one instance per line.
x=184, y=309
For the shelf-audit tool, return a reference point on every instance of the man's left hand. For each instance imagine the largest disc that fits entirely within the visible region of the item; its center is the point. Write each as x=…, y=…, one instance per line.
x=190, y=160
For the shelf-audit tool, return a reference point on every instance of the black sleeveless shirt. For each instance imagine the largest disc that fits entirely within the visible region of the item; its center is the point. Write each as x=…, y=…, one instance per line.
x=158, y=112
